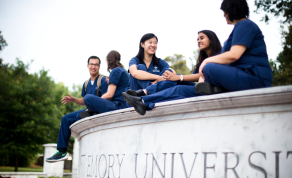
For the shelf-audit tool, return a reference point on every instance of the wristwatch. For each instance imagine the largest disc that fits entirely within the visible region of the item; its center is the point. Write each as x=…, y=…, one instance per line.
x=181, y=78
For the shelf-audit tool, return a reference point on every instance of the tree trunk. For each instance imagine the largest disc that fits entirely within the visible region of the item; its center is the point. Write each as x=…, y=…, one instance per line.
x=16, y=164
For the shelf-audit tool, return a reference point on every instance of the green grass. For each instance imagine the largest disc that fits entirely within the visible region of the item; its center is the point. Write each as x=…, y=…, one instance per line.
x=24, y=169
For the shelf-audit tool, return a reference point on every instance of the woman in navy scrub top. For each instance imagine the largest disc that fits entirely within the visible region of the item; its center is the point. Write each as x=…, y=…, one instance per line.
x=118, y=81
x=147, y=70
x=244, y=62
x=209, y=45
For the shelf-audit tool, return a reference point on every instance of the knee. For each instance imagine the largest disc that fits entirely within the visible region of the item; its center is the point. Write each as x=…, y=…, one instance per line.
x=141, y=67
x=208, y=68
x=87, y=98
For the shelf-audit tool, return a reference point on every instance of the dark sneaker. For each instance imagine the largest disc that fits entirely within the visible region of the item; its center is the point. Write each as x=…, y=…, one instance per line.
x=135, y=101
x=135, y=93
x=58, y=156
x=84, y=114
x=208, y=89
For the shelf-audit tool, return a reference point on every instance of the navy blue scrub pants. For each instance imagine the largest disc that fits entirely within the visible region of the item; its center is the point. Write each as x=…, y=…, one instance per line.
x=232, y=78
x=98, y=104
x=173, y=93
x=65, y=132
x=136, y=84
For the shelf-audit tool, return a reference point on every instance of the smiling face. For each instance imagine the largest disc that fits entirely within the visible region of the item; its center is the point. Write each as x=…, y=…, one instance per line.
x=150, y=46
x=203, y=42
x=93, y=67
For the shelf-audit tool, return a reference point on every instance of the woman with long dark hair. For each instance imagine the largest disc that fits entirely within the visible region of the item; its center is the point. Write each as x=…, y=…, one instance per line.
x=118, y=81
x=209, y=45
x=147, y=70
x=244, y=62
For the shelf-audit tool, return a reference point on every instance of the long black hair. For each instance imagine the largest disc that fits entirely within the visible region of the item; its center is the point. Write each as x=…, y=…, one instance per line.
x=140, y=54
x=214, y=45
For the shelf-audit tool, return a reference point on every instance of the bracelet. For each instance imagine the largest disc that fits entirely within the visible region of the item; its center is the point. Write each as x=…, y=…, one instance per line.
x=181, y=78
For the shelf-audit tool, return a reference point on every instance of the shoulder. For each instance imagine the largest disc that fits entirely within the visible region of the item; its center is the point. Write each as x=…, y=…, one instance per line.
x=246, y=24
x=134, y=59
x=162, y=62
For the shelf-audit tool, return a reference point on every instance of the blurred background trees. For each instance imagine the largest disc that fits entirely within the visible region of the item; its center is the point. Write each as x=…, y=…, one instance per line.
x=30, y=113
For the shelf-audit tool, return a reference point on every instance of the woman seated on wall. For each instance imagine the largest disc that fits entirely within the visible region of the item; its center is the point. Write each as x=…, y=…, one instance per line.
x=146, y=69
x=244, y=62
x=209, y=45
x=118, y=81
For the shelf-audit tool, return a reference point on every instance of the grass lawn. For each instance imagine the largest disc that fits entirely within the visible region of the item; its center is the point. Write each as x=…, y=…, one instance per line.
x=24, y=169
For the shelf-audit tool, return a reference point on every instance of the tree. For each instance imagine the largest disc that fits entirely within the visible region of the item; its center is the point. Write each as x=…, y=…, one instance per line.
x=2, y=42
x=178, y=63
x=281, y=68
x=276, y=8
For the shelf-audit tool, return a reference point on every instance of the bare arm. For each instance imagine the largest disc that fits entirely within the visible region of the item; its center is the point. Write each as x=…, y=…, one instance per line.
x=142, y=75
x=188, y=78
x=228, y=57
x=69, y=98
x=110, y=92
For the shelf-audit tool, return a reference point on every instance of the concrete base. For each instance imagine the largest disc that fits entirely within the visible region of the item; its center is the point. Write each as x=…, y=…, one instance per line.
x=236, y=134
x=52, y=169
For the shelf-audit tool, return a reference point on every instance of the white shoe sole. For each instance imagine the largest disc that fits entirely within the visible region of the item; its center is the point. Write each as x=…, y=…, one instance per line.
x=62, y=159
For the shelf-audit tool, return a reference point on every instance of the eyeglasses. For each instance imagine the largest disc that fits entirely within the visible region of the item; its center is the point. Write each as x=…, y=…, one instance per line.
x=91, y=64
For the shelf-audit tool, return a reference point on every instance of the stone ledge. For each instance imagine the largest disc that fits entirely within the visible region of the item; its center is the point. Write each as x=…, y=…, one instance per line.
x=248, y=99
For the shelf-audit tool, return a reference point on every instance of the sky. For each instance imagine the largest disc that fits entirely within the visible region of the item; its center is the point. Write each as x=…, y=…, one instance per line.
x=60, y=35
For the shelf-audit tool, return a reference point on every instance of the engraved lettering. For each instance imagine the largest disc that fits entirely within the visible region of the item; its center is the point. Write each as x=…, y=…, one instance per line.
x=99, y=166
x=136, y=165
x=233, y=168
x=94, y=167
x=255, y=166
x=205, y=162
x=81, y=165
x=277, y=162
x=185, y=170
x=172, y=163
x=288, y=153
x=120, y=164
x=110, y=166
x=163, y=175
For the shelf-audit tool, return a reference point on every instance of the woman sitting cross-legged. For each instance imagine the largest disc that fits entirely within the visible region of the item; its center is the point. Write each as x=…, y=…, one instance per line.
x=147, y=70
x=244, y=62
x=209, y=45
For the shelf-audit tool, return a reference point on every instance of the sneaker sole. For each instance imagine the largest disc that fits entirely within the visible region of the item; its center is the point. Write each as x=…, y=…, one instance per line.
x=207, y=89
x=137, y=108
x=62, y=159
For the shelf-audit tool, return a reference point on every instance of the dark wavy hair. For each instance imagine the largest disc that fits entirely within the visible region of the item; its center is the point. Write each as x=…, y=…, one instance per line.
x=140, y=54
x=215, y=46
x=236, y=9
x=93, y=57
x=113, y=58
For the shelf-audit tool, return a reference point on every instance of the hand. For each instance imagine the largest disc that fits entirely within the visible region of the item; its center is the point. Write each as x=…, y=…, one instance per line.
x=67, y=99
x=107, y=79
x=201, y=69
x=173, y=70
x=160, y=78
x=154, y=82
x=170, y=76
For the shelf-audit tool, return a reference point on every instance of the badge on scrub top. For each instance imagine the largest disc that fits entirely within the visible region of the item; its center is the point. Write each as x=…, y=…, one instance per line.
x=155, y=69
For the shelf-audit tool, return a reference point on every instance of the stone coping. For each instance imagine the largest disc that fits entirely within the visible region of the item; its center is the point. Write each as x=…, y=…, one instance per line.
x=23, y=173
x=231, y=100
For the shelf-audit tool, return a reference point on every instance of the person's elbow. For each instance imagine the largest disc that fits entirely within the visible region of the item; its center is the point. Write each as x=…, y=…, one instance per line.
x=234, y=57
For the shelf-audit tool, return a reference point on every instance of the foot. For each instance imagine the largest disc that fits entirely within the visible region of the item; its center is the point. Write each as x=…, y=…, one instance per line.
x=208, y=89
x=84, y=114
x=136, y=93
x=135, y=101
x=58, y=156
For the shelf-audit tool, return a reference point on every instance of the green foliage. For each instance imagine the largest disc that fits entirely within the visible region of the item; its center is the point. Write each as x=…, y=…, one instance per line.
x=2, y=42
x=276, y=8
x=178, y=63
x=282, y=67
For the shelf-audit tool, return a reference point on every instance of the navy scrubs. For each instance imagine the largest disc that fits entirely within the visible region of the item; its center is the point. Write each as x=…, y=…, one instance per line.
x=69, y=119
x=252, y=70
x=120, y=78
x=136, y=84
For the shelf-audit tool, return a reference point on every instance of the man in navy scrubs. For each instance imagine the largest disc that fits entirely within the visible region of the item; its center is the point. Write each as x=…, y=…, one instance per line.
x=93, y=65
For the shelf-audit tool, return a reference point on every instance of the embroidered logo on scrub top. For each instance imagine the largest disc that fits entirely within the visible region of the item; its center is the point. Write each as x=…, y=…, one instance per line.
x=155, y=69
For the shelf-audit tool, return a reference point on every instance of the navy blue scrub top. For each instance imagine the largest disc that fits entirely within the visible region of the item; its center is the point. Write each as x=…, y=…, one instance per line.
x=92, y=89
x=162, y=65
x=255, y=58
x=120, y=78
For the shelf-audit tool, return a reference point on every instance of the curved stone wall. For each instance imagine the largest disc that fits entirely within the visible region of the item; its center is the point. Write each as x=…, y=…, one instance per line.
x=236, y=134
